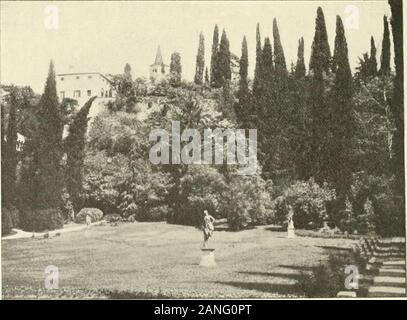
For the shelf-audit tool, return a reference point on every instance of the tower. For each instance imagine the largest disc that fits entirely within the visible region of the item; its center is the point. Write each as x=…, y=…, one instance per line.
x=158, y=70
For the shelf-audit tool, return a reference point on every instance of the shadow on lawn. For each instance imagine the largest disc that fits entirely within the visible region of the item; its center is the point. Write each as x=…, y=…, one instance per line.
x=292, y=276
x=278, y=288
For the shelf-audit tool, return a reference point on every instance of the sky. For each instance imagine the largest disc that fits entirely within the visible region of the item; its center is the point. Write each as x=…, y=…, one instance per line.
x=102, y=36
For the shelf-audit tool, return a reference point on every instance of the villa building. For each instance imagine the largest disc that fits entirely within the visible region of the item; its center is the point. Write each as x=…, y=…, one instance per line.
x=82, y=86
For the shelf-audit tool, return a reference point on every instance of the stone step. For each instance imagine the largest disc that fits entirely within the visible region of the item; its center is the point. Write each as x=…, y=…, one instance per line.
x=386, y=281
x=383, y=272
x=401, y=263
x=378, y=291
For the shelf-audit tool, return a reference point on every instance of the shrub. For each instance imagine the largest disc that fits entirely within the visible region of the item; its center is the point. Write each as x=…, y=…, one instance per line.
x=309, y=202
x=366, y=221
x=9, y=219
x=158, y=213
x=246, y=201
x=347, y=221
x=94, y=214
x=388, y=218
x=43, y=219
x=104, y=180
x=144, y=189
x=327, y=279
x=200, y=188
x=66, y=206
x=113, y=218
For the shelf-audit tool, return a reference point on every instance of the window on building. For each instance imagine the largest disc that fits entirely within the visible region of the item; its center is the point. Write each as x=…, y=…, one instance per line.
x=101, y=93
x=110, y=93
x=62, y=94
x=89, y=93
x=77, y=77
x=77, y=93
x=62, y=78
x=89, y=77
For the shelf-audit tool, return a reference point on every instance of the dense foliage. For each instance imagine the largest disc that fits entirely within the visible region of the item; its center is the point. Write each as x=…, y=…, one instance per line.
x=330, y=143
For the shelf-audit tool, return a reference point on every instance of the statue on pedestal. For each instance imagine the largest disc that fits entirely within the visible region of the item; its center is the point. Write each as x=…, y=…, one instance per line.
x=290, y=227
x=207, y=227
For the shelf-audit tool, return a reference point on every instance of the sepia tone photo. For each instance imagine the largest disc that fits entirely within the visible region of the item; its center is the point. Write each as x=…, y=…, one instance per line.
x=202, y=150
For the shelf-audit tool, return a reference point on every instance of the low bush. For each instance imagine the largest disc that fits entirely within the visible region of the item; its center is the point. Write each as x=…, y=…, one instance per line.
x=9, y=219
x=113, y=218
x=309, y=202
x=375, y=207
x=327, y=279
x=43, y=219
x=94, y=214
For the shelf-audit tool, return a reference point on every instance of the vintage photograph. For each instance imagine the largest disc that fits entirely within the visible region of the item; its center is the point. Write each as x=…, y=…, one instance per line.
x=202, y=150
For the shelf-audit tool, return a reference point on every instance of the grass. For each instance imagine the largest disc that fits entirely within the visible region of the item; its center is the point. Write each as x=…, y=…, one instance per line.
x=147, y=260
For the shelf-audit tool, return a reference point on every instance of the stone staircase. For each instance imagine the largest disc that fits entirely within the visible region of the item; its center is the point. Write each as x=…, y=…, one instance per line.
x=385, y=273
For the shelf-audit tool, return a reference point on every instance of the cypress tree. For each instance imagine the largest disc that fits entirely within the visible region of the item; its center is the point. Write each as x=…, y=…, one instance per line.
x=372, y=58
x=341, y=120
x=75, y=149
x=127, y=72
x=9, y=153
x=281, y=72
x=300, y=66
x=320, y=51
x=175, y=69
x=47, y=157
x=214, y=57
x=243, y=68
x=266, y=115
x=223, y=61
x=200, y=61
x=385, y=56
x=207, y=83
x=242, y=107
x=318, y=126
x=257, y=68
x=397, y=109
x=267, y=66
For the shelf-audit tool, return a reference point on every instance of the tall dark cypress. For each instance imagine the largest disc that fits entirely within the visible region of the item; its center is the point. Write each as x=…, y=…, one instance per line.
x=372, y=58
x=281, y=72
x=9, y=153
x=257, y=68
x=243, y=68
x=341, y=120
x=265, y=110
x=397, y=109
x=385, y=56
x=243, y=107
x=207, y=81
x=214, y=56
x=320, y=52
x=223, y=62
x=300, y=66
x=47, y=158
x=267, y=65
x=175, y=69
x=200, y=61
x=318, y=126
x=75, y=150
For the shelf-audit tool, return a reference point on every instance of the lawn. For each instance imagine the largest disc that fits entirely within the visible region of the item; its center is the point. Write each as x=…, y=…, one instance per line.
x=136, y=259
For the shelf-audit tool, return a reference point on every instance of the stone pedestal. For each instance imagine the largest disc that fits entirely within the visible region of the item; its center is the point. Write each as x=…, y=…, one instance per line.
x=291, y=229
x=290, y=233
x=208, y=258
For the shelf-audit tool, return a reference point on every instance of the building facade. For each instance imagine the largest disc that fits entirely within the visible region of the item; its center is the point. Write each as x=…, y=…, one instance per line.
x=83, y=86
